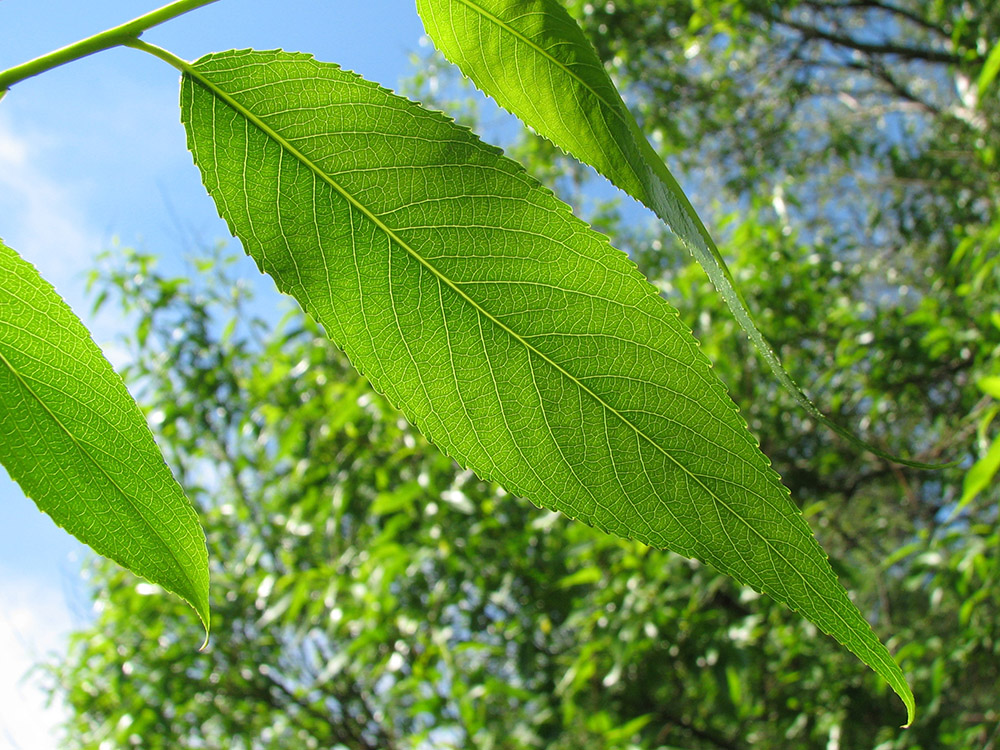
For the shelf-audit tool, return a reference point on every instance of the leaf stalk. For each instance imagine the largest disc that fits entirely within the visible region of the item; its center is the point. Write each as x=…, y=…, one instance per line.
x=115, y=37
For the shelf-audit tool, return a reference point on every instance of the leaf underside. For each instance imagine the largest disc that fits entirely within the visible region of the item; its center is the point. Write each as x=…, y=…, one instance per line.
x=534, y=59
x=507, y=330
x=74, y=440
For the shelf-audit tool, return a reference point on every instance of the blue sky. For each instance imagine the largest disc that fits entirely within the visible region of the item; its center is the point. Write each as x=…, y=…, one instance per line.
x=93, y=152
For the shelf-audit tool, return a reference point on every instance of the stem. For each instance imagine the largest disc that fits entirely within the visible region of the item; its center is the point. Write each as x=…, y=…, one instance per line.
x=116, y=37
x=168, y=57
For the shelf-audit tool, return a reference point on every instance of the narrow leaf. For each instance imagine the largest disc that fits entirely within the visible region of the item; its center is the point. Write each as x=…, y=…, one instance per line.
x=74, y=440
x=533, y=58
x=507, y=330
x=980, y=474
x=990, y=69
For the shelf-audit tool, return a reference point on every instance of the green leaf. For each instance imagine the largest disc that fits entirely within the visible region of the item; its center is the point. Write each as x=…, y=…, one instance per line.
x=533, y=58
x=981, y=474
x=990, y=69
x=509, y=332
x=74, y=440
x=990, y=386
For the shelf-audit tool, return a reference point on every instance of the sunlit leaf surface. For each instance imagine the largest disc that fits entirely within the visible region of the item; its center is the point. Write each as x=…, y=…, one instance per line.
x=74, y=440
x=514, y=336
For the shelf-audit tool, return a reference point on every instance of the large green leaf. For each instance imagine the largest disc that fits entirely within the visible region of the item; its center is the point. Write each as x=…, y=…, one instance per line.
x=74, y=440
x=509, y=332
x=533, y=58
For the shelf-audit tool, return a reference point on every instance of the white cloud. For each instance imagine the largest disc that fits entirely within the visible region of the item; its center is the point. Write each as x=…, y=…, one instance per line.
x=42, y=219
x=13, y=152
x=34, y=623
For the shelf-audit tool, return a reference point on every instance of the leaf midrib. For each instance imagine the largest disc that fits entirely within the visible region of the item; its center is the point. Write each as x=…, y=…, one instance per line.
x=309, y=164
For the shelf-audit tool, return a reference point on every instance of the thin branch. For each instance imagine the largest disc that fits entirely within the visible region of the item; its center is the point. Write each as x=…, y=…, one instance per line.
x=116, y=37
x=899, y=89
x=895, y=10
x=885, y=48
x=876, y=71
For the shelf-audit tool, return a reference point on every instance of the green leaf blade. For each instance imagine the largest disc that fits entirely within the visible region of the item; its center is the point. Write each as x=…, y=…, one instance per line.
x=536, y=62
x=74, y=440
x=509, y=332
x=989, y=71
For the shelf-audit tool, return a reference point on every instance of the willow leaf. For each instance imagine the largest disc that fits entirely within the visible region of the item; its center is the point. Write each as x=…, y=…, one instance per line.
x=533, y=58
x=506, y=329
x=74, y=440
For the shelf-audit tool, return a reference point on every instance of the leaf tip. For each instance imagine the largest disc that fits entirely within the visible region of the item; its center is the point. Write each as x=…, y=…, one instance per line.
x=911, y=709
x=202, y=609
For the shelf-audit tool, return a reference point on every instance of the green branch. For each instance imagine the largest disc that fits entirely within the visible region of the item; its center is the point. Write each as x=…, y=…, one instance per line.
x=183, y=66
x=116, y=37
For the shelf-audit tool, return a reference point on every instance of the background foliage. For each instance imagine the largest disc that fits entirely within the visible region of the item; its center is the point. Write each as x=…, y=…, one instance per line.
x=368, y=593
